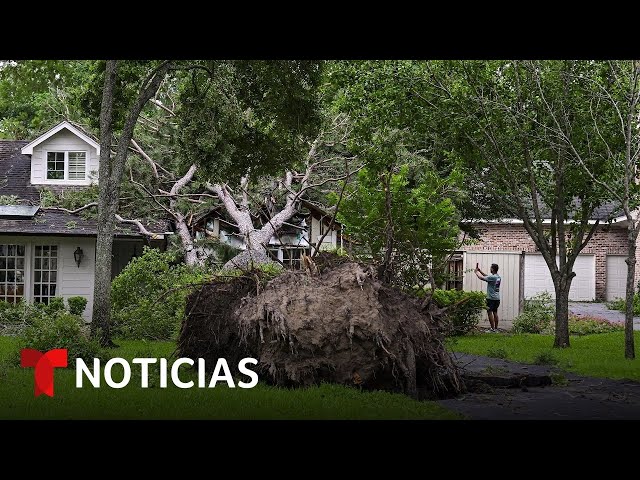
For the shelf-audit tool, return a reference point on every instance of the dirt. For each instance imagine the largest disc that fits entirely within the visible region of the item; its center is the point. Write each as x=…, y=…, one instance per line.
x=341, y=325
x=205, y=331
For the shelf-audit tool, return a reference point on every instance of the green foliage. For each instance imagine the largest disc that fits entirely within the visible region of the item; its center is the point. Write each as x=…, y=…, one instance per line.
x=71, y=200
x=406, y=199
x=14, y=318
x=497, y=353
x=149, y=296
x=592, y=325
x=48, y=198
x=77, y=305
x=267, y=271
x=60, y=330
x=56, y=304
x=537, y=316
x=464, y=309
x=621, y=304
x=31, y=96
x=236, y=115
x=8, y=200
x=424, y=218
x=546, y=358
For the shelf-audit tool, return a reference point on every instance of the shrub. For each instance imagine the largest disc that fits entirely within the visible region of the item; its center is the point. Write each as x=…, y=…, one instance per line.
x=621, y=304
x=149, y=296
x=464, y=309
x=537, y=316
x=56, y=304
x=77, y=305
x=15, y=317
x=592, y=325
x=60, y=330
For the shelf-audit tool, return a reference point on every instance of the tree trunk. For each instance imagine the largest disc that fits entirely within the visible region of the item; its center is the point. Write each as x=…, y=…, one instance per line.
x=110, y=178
x=255, y=253
x=190, y=252
x=106, y=218
x=562, y=313
x=385, y=272
x=629, y=347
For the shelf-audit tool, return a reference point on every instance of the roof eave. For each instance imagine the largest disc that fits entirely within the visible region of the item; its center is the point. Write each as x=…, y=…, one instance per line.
x=28, y=148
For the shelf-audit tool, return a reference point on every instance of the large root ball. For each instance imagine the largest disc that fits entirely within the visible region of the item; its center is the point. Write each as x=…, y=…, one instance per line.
x=341, y=326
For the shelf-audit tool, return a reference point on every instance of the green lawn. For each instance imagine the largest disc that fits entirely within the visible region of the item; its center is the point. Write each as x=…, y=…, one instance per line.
x=132, y=402
x=600, y=355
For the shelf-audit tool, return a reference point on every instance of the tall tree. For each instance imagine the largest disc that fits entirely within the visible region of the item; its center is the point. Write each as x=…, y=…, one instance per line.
x=613, y=101
x=110, y=175
x=506, y=117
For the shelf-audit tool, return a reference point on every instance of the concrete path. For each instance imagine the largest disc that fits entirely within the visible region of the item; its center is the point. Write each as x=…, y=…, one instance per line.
x=600, y=310
x=582, y=398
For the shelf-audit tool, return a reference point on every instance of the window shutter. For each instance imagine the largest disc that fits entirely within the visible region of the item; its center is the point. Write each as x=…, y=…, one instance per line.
x=77, y=165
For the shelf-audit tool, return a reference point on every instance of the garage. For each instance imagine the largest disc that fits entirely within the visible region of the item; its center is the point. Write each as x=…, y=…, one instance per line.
x=616, y=276
x=509, y=263
x=537, y=278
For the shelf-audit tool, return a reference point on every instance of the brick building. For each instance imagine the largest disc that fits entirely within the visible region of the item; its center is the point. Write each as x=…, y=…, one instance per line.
x=600, y=268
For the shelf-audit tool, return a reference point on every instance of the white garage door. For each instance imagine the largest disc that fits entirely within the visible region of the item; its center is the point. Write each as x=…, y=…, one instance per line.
x=509, y=270
x=616, y=276
x=537, y=278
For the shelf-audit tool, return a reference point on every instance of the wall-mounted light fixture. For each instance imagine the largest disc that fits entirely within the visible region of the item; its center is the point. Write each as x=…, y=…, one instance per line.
x=77, y=255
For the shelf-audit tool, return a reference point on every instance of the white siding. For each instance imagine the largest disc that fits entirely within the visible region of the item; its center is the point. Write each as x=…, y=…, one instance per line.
x=64, y=140
x=509, y=271
x=72, y=280
x=330, y=241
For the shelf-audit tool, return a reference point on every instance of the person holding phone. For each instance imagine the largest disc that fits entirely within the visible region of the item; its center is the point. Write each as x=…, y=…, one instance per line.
x=493, y=293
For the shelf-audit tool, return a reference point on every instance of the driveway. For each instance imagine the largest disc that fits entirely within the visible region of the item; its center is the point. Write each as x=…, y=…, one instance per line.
x=577, y=398
x=600, y=310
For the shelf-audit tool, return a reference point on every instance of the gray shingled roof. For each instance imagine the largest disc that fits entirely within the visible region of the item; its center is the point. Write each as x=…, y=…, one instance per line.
x=15, y=172
x=605, y=212
x=55, y=222
x=15, y=179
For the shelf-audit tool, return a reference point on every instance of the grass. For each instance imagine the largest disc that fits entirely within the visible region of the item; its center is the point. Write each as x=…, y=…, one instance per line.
x=133, y=402
x=600, y=355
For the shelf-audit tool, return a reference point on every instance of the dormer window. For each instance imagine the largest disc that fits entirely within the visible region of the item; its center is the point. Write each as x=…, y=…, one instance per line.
x=66, y=165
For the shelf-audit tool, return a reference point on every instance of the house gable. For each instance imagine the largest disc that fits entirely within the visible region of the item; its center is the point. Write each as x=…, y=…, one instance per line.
x=63, y=156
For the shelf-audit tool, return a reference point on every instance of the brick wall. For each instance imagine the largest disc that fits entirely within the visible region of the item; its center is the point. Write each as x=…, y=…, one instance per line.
x=607, y=240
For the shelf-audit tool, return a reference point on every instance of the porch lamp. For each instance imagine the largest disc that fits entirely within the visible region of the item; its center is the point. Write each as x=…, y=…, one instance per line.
x=77, y=255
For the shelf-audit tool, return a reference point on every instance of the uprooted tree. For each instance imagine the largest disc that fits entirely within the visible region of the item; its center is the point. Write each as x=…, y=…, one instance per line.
x=341, y=325
x=260, y=214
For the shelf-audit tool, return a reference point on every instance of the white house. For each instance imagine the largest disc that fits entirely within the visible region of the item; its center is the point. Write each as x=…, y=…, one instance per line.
x=300, y=235
x=48, y=253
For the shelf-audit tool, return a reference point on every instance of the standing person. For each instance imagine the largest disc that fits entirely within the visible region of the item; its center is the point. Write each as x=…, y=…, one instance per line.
x=493, y=293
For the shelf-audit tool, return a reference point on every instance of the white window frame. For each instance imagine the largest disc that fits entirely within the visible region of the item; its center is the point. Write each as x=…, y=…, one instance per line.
x=32, y=297
x=66, y=179
x=24, y=269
